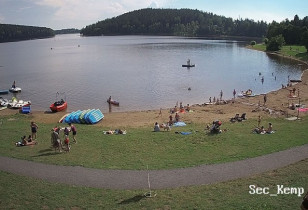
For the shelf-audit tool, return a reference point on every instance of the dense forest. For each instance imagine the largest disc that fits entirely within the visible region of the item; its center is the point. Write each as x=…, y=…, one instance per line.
x=178, y=22
x=67, y=31
x=10, y=33
x=294, y=32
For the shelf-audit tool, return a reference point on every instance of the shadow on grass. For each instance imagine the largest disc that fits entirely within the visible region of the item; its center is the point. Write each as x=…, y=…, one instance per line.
x=48, y=154
x=134, y=199
x=46, y=150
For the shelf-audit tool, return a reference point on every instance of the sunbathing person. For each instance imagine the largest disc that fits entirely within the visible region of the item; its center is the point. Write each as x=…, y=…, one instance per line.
x=270, y=128
x=260, y=130
x=24, y=142
x=156, y=127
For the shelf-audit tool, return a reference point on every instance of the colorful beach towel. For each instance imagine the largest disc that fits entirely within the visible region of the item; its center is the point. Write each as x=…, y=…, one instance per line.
x=302, y=109
x=179, y=124
x=185, y=133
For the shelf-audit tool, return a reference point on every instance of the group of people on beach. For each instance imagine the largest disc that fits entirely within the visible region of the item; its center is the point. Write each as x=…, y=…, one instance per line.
x=56, y=141
x=172, y=119
x=181, y=108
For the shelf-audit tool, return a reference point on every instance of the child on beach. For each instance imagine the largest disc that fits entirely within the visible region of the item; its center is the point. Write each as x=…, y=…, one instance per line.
x=67, y=144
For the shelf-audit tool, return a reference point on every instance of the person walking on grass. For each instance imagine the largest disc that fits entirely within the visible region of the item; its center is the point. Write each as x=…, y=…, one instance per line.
x=74, y=131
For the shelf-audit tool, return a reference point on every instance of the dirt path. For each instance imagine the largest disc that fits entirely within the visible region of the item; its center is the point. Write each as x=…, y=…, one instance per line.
x=159, y=179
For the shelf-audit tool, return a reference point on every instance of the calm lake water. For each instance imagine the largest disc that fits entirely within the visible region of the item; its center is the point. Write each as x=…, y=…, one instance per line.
x=141, y=72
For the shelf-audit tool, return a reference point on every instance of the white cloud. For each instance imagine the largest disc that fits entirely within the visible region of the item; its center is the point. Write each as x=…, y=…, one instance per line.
x=91, y=11
x=153, y=5
x=2, y=19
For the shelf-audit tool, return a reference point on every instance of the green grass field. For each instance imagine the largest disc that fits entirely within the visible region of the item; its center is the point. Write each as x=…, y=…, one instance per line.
x=142, y=147
x=18, y=192
x=295, y=51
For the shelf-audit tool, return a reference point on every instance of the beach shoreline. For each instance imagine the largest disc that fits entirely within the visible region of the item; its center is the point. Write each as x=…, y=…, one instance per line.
x=276, y=106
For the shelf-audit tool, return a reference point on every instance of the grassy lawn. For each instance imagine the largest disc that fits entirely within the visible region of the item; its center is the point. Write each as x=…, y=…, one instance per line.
x=142, y=147
x=18, y=192
x=298, y=52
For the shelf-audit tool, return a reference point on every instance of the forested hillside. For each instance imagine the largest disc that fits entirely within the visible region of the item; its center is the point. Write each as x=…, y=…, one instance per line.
x=179, y=22
x=294, y=32
x=10, y=33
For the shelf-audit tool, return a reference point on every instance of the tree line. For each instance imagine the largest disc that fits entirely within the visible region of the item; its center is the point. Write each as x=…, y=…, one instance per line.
x=178, y=22
x=67, y=31
x=10, y=33
x=294, y=32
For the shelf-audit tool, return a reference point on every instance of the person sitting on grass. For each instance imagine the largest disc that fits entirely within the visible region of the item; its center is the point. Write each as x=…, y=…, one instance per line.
x=260, y=130
x=270, y=128
x=24, y=142
x=156, y=127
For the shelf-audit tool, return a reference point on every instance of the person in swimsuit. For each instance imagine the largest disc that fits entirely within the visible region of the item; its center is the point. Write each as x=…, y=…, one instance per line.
x=34, y=128
x=74, y=131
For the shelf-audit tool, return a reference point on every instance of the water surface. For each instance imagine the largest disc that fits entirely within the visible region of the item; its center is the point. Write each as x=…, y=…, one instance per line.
x=142, y=72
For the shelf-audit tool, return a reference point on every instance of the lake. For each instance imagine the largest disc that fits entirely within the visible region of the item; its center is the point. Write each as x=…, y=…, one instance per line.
x=141, y=72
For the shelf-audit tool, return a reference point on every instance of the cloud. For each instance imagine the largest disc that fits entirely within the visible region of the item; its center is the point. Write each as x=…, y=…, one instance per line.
x=83, y=12
x=153, y=5
x=2, y=19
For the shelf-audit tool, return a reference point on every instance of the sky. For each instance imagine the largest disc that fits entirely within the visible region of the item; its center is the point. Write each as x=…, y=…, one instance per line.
x=60, y=14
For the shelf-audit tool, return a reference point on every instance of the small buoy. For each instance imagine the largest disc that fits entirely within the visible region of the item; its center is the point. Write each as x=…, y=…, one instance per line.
x=189, y=88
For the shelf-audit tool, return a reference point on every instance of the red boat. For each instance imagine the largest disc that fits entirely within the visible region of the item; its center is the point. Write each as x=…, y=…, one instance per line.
x=58, y=105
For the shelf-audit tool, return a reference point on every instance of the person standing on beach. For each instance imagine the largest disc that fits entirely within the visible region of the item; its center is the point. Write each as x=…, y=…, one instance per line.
x=74, y=131
x=259, y=121
x=34, y=128
x=234, y=93
x=264, y=99
x=221, y=93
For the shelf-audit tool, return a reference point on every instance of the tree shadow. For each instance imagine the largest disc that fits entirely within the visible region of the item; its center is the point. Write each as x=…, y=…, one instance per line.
x=134, y=199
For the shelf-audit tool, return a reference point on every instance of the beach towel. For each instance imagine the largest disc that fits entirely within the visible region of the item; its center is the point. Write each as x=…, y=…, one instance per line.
x=302, y=109
x=185, y=133
x=114, y=132
x=179, y=124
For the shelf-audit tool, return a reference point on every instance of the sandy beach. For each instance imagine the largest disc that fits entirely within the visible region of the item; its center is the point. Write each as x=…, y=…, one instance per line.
x=276, y=106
